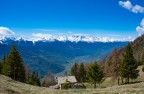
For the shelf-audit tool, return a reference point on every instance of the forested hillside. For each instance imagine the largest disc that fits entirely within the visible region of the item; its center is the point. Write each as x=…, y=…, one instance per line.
x=109, y=63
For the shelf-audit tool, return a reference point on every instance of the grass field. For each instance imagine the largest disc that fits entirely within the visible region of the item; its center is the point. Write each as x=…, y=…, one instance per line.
x=9, y=86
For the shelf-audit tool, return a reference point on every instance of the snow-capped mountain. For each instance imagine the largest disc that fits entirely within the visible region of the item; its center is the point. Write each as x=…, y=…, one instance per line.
x=63, y=38
x=55, y=53
x=76, y=38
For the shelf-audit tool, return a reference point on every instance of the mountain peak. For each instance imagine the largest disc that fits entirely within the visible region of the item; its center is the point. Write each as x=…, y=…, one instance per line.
x=63, y=38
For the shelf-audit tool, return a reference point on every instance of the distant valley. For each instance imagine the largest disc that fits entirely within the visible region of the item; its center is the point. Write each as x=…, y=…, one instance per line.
x=55, y=56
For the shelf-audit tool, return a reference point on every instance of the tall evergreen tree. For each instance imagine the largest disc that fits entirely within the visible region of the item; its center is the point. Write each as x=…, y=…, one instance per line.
x=128, y=68
x=82, y=73
x=75, y=71
x=37, y=79
x=6, y=67
x=17, y=66
x=95, y=73
x=31, y=79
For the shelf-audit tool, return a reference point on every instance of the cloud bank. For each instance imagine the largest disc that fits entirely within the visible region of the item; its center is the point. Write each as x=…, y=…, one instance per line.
x=73, y=37
x=4, y=31
x=133, y=8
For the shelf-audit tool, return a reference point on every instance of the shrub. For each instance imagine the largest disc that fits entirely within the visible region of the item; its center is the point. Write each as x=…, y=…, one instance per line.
x=65, y=85
x=79, y=86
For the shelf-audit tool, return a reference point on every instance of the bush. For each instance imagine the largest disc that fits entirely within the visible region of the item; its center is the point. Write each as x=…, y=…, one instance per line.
x=79, y=86
x=83, y=86
x=65, y=85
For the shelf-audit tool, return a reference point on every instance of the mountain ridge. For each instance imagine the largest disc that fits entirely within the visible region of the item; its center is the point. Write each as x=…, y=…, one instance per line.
x=64, y=38
x=55, y=56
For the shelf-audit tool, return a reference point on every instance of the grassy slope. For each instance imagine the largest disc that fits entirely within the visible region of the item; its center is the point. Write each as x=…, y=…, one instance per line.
x=9, y=86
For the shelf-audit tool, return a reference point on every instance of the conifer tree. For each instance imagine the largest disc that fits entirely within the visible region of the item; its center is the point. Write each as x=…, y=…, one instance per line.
x=32, y=79
x=37, y=79
x=75, y=71
x=82, y=73
x=17, y=66
x=95, y=74
x=128, y=68
x=5, y=66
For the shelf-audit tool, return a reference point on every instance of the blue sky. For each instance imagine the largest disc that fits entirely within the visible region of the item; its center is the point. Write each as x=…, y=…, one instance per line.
x=95, y=17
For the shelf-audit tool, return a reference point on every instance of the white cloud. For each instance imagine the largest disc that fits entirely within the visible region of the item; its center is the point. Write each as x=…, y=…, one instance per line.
x=40, y=35
x=4, y=31
x=140, y=29
x=128, y=5
x=138, y=9
x=135, y=9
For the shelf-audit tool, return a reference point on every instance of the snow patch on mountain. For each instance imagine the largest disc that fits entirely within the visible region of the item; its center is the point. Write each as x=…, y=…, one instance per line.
x=73, y=38
x=76, y=38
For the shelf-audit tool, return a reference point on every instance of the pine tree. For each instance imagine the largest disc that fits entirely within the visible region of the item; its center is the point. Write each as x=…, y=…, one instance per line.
x=95, y=74
x=128, y=68
x=37, y=79
x=82, y=73
x=75, y=71
x=21, y=72
x=32, y=80
x=17, y=66
x=6, y=67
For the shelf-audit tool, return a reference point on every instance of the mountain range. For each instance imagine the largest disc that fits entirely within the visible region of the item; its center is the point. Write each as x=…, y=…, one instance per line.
x=56, y=55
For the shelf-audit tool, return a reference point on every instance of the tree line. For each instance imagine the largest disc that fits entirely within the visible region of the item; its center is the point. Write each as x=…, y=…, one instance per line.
x=13, y=66
x=123, y=70
x=88, y=73
x=122, y=67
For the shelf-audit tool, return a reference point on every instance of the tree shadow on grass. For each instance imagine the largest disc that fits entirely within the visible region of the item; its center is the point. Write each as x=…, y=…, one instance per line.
x=132, y=83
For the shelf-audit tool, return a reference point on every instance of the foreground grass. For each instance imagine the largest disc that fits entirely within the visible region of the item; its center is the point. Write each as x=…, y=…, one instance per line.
x=9, y=86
